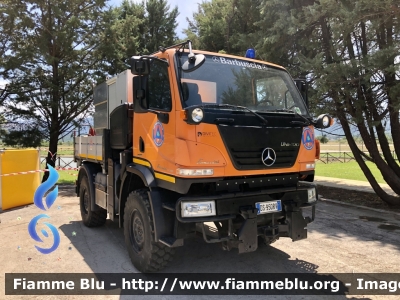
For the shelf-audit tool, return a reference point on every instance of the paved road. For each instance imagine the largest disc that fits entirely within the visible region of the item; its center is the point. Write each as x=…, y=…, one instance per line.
x=342, y=239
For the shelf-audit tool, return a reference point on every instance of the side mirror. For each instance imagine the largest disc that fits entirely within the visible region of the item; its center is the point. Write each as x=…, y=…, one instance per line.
x=194, y=61
x=303, y=88
x=140, y=65
x=323, y=121
x=139, y=94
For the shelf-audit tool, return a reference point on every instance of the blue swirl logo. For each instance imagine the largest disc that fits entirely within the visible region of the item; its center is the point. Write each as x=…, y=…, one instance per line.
x=35, y=236
x=45, y=187
x=38, y=201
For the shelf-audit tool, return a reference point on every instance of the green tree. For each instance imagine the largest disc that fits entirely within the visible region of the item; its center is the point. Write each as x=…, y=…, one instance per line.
x=323, y=139
x=226, y=25
x=124, y=35
x=349, y=52
x=137, y=28
x=50, y=61
x=160, y=24
x=2, y=131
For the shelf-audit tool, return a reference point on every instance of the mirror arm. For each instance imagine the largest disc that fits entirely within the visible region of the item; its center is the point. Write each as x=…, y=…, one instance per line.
x=161, y=116
x=191, y=56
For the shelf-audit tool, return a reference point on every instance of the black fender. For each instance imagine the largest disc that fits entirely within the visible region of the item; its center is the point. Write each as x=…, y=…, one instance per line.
x=163, y=219
x=144, y=173
x=147, y=180
x=90, y=169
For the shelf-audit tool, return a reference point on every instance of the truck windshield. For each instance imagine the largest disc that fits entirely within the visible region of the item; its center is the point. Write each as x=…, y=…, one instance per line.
x=223, y=80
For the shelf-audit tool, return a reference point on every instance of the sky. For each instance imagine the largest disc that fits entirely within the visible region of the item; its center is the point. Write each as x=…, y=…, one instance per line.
x=185, y=8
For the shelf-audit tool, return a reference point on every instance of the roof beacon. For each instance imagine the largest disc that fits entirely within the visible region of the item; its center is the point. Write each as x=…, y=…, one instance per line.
x=250, y=53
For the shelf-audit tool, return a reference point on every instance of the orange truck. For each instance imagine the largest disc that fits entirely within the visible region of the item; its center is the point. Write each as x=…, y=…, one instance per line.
x=193, y=142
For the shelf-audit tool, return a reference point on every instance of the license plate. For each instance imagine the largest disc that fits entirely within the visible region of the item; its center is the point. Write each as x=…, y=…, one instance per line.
x=268, y=207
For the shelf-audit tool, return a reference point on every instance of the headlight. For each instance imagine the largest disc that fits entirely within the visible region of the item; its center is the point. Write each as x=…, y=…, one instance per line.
x=197, y=115
x=310, y=166
x=312, y=195
x=195, y=172
x=198, y=209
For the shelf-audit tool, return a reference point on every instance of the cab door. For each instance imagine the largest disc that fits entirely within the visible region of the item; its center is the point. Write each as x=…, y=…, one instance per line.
x=153, y=135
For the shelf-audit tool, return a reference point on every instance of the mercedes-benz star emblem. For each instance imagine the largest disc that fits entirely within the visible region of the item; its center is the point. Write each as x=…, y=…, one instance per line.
x=215, y=59
x=268, y=157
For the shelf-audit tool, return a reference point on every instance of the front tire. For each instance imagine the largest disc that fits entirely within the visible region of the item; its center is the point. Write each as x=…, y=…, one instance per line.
x=90, y=218
x=146, y=255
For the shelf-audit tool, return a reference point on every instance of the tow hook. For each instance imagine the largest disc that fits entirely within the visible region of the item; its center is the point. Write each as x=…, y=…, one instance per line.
x=247, y=234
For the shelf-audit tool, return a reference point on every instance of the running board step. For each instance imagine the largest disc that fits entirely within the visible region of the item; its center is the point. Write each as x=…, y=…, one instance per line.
x=171, y=242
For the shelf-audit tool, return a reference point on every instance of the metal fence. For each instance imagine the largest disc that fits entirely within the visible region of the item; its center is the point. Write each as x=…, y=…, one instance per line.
x=61, y=162
x=342, y=157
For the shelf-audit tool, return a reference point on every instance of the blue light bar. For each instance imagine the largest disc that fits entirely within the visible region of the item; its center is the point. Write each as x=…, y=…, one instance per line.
x=250, y=53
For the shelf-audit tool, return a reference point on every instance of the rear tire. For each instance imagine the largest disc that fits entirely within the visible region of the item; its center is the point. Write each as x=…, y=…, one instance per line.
x=90, y=218
x=146, y=255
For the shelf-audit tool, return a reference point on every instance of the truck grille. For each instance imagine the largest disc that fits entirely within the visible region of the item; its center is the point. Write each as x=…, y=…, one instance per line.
x=251, y=158
x=246, y=144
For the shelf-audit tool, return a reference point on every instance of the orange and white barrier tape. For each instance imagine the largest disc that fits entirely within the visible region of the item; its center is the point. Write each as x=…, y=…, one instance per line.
x=40, y=171
x=67, y=169
x=22, y=173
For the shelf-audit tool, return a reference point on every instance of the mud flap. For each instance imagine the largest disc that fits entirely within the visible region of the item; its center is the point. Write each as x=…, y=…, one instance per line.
x=248, y=241
x=297, y=226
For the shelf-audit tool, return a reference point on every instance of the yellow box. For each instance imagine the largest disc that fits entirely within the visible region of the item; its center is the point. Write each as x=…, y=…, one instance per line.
x=18, y=190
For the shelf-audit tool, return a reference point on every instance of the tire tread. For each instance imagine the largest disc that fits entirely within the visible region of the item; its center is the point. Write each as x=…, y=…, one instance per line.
x=94, y=218
x=160, y=255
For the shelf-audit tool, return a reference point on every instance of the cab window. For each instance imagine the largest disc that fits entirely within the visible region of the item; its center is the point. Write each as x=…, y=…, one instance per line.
x=159, y=91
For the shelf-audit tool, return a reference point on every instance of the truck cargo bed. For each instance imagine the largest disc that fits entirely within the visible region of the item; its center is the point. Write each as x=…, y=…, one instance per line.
x=88, y=148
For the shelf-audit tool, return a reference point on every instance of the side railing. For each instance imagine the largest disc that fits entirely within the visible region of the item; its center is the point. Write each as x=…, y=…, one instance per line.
x=342, y=157
x=61, y=162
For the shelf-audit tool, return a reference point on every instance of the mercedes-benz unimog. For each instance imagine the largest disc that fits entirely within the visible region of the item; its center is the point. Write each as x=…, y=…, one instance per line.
x=192, y=142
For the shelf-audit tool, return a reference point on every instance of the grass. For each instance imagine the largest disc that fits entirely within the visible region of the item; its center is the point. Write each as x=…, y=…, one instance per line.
x=65, y=177
x=61, y=151
x=348, y=170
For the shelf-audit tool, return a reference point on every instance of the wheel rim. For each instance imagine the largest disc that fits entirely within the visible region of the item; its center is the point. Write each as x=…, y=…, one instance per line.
x=136, y=231
x=85, y=201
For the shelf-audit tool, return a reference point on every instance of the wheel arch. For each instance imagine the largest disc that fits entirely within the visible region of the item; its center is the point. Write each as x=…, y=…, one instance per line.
x=89, y=170
x=135, y=177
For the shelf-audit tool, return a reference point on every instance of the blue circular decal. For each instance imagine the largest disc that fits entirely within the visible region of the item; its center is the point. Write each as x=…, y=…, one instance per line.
x=308, y=138
x=158, y=134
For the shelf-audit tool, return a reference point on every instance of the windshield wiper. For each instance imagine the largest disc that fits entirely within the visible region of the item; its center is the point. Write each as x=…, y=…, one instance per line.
x=241, y=107
x=306, y=121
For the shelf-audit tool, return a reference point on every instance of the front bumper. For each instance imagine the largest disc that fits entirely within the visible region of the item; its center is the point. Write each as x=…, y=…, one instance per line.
x=237, y=212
